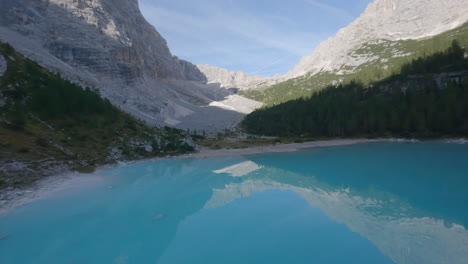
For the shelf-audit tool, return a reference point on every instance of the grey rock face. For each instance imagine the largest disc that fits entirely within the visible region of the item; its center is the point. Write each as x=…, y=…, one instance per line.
x=108, y=37
x=3, y=65
x=109, y=45
x=234, y=79
x=383, y=20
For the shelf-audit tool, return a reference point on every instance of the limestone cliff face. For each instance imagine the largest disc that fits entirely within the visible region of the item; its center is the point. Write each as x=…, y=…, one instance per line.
x=384, y=19
x=234, y=79
x=109, y=37
x=389, y=20
x=109, y=45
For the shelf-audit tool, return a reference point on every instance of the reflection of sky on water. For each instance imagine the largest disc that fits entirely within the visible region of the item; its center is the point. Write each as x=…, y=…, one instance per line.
x=401, y=231
x=405, y=240
x=369, y=203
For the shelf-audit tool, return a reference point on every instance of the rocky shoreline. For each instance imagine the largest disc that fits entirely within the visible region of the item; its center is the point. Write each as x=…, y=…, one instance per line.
x=14, y=197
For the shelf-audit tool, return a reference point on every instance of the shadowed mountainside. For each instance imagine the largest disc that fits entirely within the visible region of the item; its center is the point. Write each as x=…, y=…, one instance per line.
x=110, y=46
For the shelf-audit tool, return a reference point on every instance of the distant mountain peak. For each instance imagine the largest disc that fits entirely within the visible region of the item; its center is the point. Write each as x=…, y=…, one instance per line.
x=234, y=79
x=391, y=20
x=383, y=20
x=382, y=6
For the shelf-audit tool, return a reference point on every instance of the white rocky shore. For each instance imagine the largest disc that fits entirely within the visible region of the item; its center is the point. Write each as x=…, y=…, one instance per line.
x=208, y=153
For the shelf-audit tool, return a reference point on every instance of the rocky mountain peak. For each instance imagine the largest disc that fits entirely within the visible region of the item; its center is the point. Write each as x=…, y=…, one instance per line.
x=381, y=6
x=102, y=14
x=109, y=45
x=234, y=79
x=391, y=20
x=92, y=33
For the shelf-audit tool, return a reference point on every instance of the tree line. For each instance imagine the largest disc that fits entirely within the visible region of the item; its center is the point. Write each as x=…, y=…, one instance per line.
x=398, y=106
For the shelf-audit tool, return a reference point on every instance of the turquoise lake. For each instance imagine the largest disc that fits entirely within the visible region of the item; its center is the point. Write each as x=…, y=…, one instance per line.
x=367, y=203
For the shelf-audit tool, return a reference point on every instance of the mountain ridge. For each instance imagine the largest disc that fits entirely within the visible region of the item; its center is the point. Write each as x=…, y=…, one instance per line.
x=234, y=79
x=110, y=45
x=388, y=20
x=383, y=19
x=49, y=125
x=385, y=65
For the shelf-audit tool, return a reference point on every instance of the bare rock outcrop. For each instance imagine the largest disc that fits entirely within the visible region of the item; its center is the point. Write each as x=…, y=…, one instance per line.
x=108, y=37
x=383, y=20
x=109, y=45
x=234, y=79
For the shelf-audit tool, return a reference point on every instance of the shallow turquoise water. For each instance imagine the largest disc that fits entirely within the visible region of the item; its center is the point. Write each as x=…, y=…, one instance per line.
x=368, y=203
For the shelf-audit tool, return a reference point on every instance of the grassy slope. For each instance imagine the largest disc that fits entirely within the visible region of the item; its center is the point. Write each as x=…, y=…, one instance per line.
x=49, y=123
x=390, y=60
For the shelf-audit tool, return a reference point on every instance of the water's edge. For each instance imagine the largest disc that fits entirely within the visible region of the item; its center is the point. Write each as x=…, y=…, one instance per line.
x=14, y=198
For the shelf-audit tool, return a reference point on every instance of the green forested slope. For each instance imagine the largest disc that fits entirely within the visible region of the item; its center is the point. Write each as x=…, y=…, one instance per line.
x=48, y=124
x=392, y=55
x=429, y=98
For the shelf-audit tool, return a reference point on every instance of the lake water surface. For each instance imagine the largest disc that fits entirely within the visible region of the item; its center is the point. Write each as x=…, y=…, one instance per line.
x=367, y=203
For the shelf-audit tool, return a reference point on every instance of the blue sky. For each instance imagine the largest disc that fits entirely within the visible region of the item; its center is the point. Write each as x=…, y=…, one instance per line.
x=262, y=37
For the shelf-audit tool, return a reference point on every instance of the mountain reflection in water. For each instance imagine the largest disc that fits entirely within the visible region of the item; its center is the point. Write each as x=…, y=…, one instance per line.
x=369, y=203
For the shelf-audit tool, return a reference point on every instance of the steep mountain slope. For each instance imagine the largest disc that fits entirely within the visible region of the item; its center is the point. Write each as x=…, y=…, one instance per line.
x=386, y=32
x=109, y=45
x=428, y=98
x=49, y=125
x=385, y=65
x=389, y=20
